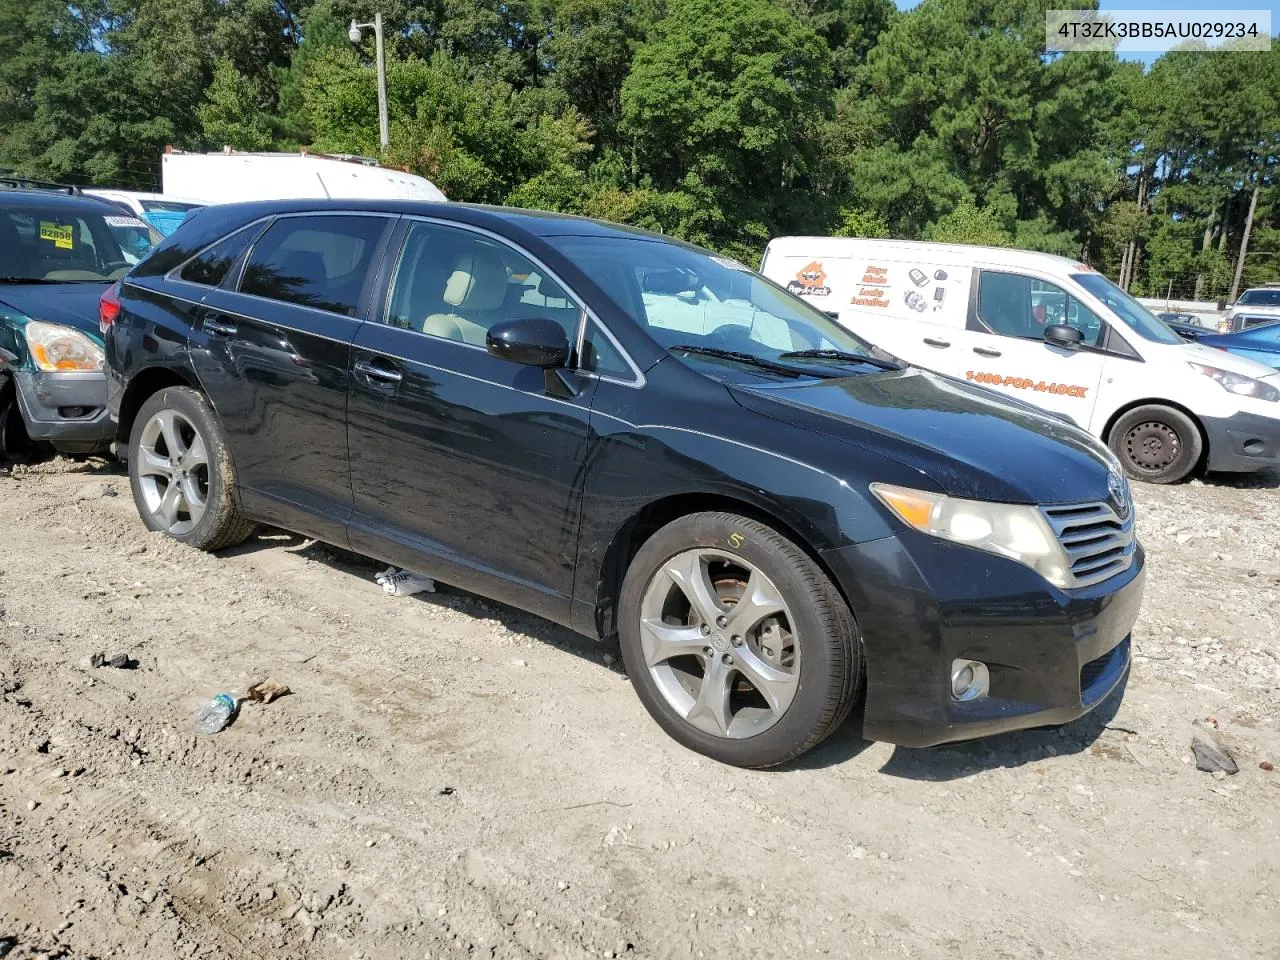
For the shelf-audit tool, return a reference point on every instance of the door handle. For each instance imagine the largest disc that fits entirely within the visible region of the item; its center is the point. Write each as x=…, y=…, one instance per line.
x=219, y=328
x=375, y=371
x=937, y=343
x=986, y=352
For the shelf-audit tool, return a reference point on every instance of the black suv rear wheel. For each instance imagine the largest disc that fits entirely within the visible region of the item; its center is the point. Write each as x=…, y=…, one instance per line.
x=181, y=473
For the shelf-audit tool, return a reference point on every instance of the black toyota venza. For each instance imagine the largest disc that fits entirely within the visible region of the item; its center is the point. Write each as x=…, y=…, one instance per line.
x=629, y=436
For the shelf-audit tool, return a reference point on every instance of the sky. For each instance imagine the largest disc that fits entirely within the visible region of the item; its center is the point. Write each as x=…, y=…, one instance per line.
x=1147, y=58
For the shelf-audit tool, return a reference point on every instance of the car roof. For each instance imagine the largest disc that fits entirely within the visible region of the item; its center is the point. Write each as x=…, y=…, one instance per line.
x=956, y=254
x=51, y=200
x=539, y=223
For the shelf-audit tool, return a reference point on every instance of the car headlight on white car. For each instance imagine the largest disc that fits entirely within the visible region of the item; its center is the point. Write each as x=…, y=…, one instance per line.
x=1014, y=530
x=58, y=349
x=1238, y=383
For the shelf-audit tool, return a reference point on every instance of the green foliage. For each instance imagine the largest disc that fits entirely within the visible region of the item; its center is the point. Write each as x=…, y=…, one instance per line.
x=967, y=223
x=234, y=113
x=726, y=122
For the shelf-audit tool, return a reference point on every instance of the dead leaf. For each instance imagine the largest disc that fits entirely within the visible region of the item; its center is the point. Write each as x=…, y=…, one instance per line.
x=266, y=691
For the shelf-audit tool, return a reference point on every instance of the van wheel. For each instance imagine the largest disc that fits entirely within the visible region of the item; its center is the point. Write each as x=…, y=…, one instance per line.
x=181, y=474
x=736, y=642
x=1157, y=444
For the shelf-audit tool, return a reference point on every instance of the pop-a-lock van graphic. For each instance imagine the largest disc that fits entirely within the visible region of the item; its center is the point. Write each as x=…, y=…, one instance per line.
x=810, y=281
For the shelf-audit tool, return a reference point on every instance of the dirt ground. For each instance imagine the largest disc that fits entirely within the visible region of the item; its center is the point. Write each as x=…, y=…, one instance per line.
x=453, y=779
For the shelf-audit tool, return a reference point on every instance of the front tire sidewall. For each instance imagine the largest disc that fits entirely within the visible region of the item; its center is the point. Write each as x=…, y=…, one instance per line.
x=192, y=406
x=809, y=717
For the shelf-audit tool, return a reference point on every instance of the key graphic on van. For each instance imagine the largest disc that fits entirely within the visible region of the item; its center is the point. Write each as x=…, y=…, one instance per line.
x=917, y=277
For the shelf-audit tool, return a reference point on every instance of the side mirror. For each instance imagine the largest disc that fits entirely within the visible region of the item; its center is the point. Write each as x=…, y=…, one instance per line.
x=1062, y=335
x=532, y=341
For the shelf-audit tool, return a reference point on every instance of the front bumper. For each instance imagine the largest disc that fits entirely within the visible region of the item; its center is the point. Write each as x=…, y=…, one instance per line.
x=67, y=409
x=1243, y=443
x=921, y=603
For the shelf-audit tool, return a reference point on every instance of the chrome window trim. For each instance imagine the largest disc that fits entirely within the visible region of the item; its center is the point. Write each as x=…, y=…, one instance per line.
x=586, y=312
x=173, y=275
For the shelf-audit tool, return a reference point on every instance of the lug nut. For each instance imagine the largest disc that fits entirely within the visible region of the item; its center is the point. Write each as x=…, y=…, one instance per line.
x=736, y=640
x=722, y=621
x=707, y=651
x=726, y=660
x=706, y=629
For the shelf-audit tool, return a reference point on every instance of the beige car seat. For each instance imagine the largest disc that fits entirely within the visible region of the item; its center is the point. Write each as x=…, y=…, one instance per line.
x=476, y=287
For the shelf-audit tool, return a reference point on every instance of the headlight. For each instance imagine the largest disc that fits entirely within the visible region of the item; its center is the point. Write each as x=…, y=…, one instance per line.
x=58, y=348
x=1014, y=530
x=1238, y=384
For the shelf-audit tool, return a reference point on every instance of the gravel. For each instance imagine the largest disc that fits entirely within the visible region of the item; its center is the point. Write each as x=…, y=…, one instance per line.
x=317, y=826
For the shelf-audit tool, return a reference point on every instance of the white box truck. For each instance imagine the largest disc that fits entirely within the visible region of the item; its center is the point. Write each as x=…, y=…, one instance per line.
x=229, y=176
x=1050, y=331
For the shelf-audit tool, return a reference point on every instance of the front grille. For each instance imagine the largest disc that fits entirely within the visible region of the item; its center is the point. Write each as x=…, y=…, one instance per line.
x=1098, y=543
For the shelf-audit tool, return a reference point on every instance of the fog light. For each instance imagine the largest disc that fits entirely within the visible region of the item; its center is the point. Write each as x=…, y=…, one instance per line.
x=969, y=680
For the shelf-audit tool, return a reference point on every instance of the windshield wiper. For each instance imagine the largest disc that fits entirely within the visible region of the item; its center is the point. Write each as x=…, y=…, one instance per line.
x=747, y=358
x=842, y=355
x=28, y=280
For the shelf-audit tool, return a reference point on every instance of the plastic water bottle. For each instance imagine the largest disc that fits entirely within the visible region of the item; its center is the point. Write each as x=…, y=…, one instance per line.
x=216, y=714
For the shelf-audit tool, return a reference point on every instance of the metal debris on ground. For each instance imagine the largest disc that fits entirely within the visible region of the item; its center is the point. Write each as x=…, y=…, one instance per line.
x=1210, y=755
x=267, y=690
x=121, y=661
x=402, y=583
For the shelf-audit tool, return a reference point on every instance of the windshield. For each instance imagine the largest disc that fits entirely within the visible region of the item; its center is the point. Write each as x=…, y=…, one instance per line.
x=64, y=245
x=685, y=297
x=1260, y=298
x=1134, y=315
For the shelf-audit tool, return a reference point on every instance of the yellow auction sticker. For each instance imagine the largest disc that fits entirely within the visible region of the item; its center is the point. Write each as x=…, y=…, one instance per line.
x=63, y=237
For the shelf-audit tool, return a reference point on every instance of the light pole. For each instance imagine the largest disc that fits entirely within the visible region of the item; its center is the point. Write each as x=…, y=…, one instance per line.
x=354, y=35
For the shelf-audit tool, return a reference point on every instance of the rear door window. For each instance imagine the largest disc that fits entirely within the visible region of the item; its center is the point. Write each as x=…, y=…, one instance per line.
x=321, y=262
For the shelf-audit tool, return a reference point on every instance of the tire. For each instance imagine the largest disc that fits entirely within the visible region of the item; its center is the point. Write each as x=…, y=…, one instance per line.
x=16, y=446
x=191, y=497
x=1156, y=443
x=665, y=648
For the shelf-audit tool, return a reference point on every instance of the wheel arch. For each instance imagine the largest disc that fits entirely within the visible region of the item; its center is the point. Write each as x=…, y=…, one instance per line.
x=1160, y=402
x=143, y=384
x=645, y=522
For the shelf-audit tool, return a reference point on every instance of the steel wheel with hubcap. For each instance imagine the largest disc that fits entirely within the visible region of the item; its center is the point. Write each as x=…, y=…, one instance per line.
x=719, y=643
x=181, y=473
x=1156, y=443
x=736, y=641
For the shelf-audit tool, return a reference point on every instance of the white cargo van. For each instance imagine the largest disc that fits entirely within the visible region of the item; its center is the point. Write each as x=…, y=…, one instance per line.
x=229, y=176
x=1050, y=331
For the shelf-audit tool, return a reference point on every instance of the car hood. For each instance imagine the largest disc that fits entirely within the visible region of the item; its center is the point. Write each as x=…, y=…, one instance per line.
x=971, y=442
x=71, y=304
x=1198, y=352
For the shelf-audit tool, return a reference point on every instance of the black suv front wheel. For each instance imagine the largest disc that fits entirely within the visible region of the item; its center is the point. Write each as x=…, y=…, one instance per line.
x=736, y=641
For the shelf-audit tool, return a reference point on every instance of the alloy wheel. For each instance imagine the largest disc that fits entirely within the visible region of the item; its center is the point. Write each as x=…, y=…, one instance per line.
x=720, y=643
x=173, y=472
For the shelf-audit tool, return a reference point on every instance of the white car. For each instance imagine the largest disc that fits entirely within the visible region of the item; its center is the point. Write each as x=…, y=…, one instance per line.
x=160, y=210
x=1052, y=332
x=1255, y=307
